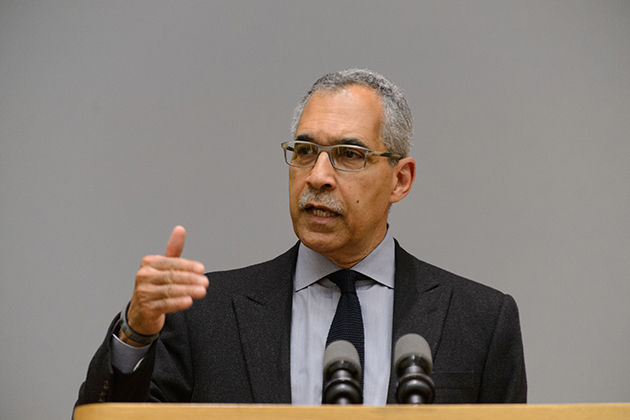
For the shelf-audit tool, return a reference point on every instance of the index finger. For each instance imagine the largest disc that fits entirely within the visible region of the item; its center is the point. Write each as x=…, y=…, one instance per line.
x=172, y=263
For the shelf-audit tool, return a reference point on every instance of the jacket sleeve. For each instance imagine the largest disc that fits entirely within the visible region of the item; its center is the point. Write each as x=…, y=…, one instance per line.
x=164, y=375
x=503, y=379
x=105, y=383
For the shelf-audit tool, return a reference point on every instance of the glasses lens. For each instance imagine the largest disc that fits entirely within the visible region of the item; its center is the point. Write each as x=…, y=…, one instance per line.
x=300, y=154
x=349, y=158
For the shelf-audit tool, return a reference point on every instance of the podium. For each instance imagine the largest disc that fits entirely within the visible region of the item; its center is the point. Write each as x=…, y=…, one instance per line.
x=163, y=411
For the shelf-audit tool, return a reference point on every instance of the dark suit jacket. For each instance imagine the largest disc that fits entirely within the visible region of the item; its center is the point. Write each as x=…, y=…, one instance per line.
x=233, y=346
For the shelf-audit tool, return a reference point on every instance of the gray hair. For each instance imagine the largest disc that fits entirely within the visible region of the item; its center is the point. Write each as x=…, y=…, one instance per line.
x=397, y=125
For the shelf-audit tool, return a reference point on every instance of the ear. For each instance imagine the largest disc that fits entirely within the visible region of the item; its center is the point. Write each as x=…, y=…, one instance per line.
x=404, y=175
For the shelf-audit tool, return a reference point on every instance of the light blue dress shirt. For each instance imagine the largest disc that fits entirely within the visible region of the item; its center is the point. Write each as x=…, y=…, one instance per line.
x=314, y=304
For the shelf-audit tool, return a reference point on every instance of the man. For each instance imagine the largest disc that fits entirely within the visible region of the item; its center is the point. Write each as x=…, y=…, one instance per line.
x=258, y=334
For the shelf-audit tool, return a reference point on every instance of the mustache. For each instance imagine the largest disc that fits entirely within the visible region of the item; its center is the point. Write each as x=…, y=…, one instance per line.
x=323, y=198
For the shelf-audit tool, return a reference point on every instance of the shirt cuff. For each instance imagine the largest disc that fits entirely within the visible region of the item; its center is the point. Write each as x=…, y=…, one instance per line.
x=127, y=358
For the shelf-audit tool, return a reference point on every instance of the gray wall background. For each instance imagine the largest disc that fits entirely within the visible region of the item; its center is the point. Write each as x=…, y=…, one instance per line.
x=119, y=120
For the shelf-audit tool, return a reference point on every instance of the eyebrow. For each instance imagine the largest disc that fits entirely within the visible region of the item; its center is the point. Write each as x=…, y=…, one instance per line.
x=345, y=140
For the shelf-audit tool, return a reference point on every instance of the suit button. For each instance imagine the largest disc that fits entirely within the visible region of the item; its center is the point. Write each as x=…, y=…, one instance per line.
x=105, y=385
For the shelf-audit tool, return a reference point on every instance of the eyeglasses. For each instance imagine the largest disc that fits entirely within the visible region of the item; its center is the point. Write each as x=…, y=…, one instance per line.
x=344, y=157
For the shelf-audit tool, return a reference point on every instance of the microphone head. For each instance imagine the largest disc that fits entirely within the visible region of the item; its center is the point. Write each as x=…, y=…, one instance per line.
x=341, y=351
x=413, y=346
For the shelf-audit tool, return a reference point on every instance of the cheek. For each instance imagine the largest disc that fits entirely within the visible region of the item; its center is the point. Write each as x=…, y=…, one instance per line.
x=370, y=200
x=292, y=183
x=296, y=176
x=295, y=189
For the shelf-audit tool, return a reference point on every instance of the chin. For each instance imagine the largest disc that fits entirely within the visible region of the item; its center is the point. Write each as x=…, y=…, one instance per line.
x=321, y=243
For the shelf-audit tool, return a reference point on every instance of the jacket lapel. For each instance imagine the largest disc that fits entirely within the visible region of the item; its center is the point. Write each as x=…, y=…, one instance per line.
x=420, y=306
x=264, y=326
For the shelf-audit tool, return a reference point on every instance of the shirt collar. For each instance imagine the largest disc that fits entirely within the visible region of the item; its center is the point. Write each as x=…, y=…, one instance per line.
x=379, y=264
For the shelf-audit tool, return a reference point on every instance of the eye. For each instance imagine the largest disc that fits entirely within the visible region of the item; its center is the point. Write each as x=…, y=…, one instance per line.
x=305, y=149
x=349, y=153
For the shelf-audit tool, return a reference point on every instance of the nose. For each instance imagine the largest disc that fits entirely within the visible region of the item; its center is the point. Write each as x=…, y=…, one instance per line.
x=322, y=175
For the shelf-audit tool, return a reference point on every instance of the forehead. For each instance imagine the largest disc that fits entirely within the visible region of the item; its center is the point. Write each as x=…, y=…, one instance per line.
x=353, y=112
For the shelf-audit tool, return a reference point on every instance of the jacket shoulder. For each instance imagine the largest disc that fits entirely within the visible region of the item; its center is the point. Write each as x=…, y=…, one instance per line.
x=432, y=276
x=257, y=276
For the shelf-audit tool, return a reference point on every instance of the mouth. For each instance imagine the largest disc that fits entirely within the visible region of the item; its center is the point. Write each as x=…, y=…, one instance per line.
x=320, y=204
x=320, y=211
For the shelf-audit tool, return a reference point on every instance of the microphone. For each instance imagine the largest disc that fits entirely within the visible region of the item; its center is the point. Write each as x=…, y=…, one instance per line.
x=342, y=373
x=413, y=365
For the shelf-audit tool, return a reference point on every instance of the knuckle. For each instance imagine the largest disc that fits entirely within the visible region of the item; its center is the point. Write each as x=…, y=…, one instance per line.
x=143, y=299
x=143, y=273
x=145, y=287
x=171, y=275
x=147, y=260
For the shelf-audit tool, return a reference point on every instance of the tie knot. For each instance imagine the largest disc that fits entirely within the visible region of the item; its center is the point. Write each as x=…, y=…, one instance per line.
x=344, y=279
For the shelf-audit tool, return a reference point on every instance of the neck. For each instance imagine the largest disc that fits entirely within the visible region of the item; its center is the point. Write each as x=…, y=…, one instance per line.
x=349, y=260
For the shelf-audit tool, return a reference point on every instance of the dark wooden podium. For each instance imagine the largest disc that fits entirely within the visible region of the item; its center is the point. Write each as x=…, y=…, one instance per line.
x=108, y=411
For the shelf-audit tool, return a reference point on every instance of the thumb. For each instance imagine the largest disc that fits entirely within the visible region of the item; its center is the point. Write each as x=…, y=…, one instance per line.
x=176, y=242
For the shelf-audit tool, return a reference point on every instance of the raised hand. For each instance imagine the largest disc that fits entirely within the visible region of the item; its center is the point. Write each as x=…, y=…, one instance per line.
x=164, y=284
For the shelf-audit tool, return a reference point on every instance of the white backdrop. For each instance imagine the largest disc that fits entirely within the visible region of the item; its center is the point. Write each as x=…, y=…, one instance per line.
x=119, y=120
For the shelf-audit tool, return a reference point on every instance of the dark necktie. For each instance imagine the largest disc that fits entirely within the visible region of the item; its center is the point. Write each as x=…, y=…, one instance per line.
x=348, y=321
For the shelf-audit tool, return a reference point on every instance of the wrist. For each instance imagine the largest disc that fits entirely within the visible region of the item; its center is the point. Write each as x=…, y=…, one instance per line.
x=125, y=339
x=131, y=337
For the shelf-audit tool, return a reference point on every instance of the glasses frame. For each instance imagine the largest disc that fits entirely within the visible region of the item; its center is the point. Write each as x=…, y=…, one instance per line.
x=327, y=149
